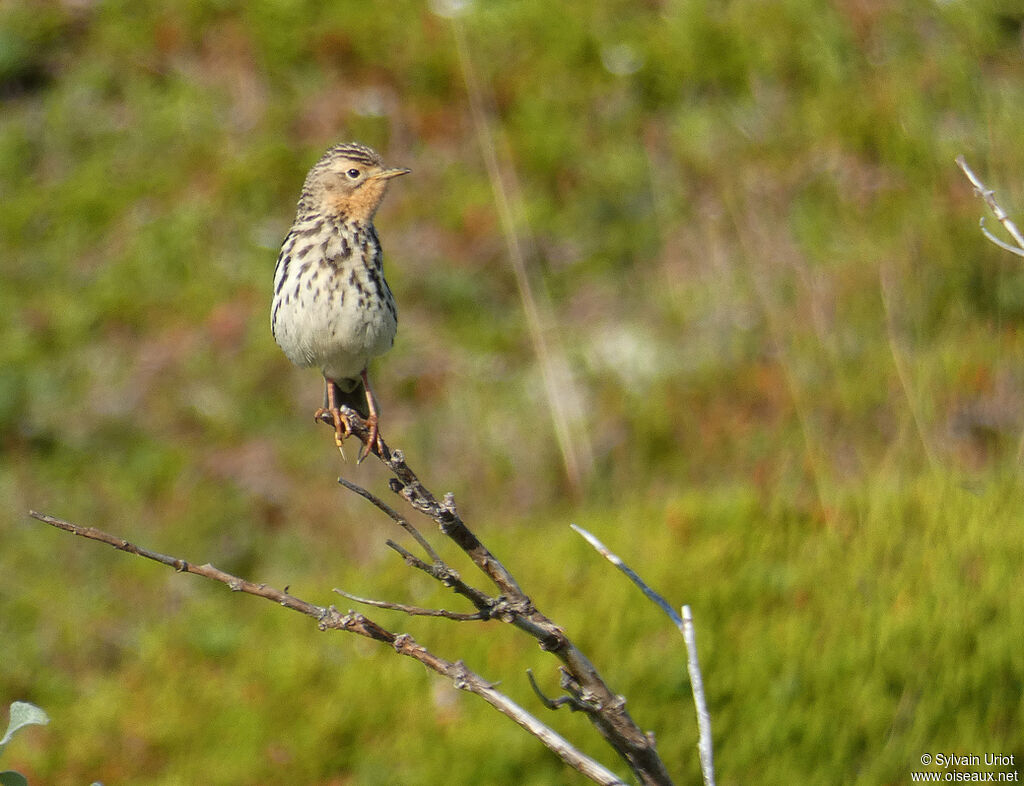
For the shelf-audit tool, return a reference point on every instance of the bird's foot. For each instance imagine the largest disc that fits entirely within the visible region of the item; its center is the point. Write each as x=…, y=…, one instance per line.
x=373, y=440
x=342, y=428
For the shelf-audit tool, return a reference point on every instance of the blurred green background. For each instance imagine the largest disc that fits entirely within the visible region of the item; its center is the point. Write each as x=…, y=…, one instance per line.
x=790, y=367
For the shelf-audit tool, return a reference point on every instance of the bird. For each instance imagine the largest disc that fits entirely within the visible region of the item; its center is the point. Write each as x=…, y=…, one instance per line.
x=332, y=308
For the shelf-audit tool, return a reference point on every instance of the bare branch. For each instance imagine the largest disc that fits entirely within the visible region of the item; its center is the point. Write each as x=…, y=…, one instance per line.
x=414, y=611
x=394, y=515
x=329, y=618
x=685, y=625
x=1001, y=243
x=182, y=566
x=409, y=487
x=617, y=562
x=707, y=761
x=553, y=704
x=990, y=199
x=611, y=719
x=449, y=578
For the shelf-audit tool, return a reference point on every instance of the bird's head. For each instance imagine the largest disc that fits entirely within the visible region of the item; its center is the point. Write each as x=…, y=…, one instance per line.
x=349, y=180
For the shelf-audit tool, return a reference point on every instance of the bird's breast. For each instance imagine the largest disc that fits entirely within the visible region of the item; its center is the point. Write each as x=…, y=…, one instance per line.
x=332, y=306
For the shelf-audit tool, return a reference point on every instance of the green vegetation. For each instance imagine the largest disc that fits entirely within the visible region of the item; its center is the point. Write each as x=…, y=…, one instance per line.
x=797, y=357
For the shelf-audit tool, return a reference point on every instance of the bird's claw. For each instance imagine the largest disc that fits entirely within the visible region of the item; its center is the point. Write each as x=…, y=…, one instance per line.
x=373, y=439
x=342, y=428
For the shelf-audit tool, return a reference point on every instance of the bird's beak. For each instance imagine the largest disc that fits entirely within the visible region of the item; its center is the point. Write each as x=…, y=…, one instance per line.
x=387, y=174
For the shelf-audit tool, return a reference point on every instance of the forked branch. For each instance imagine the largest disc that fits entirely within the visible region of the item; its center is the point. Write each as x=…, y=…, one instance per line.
x=588, y=691
x=330, y=618
x=990, y=199
x=685, y=625
x=606, y=710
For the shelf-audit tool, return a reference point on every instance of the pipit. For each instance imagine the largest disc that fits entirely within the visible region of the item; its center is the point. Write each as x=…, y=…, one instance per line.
x=332, y=307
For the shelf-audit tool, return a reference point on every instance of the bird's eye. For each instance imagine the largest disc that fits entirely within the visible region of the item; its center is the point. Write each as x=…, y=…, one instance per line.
x=353, y=174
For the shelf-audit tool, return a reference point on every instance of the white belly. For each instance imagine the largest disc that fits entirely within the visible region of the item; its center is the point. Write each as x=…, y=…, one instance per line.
x=324, y=323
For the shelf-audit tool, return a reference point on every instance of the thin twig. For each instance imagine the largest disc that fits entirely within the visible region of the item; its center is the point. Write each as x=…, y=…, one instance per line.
x=611, y=719
x=394, y=515
x=414, y=611
x=329, y=618
x=704, y=747
x=990, y=199
x=617, y=562
x=1001, y=243
x=685, y=625
x=409, y=487
x=573, y=703
x=449, y=577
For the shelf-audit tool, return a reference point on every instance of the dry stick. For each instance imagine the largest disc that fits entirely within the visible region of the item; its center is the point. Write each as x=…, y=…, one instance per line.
x=990, y=199
x=575, y=704
x=685, y=625
x=437, y=569
x=609, y=715
x=414, y=611
x=449, y=577
x=394, y=515
x=707, y=762
x=329, y=618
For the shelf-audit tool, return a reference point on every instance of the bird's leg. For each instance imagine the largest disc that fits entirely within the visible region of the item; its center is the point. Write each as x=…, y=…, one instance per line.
x=341, y=427
x=373, y=440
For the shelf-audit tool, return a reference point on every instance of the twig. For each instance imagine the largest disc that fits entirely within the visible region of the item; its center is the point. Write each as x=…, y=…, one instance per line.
x=450, y=578
x=414, y=611
x=990, y=199
x=685, y=625
x=611, y=719
x=617, y=562
x=553, y=704
x=707, y=762
x=329, y=618
x=394, y=515
x=409, y=487
x=326, y=617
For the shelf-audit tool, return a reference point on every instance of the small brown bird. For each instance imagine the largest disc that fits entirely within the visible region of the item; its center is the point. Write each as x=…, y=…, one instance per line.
x=332, y=307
